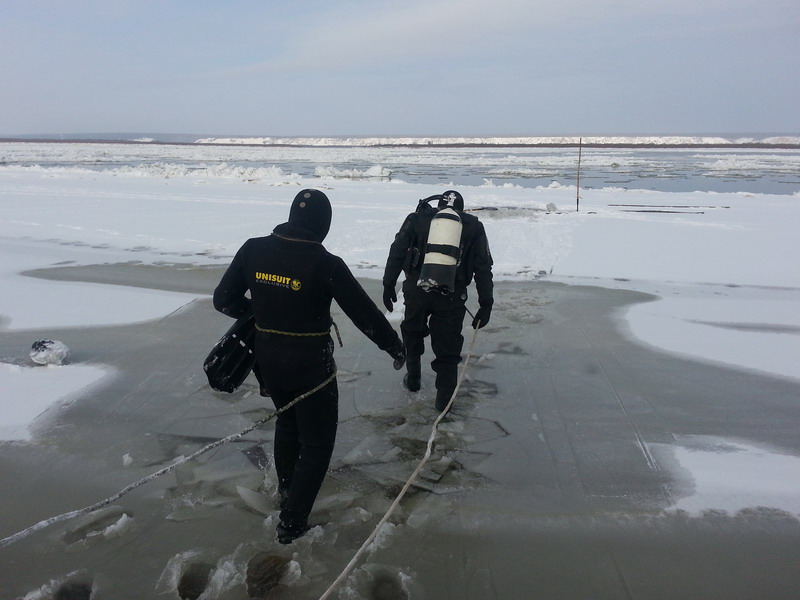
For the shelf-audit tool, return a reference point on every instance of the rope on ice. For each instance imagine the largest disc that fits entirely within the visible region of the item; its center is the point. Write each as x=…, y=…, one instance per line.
x=83, y=511
x=351, y=565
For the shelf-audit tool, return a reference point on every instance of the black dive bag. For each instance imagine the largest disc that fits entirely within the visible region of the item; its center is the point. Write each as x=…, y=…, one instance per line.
x=231, y=359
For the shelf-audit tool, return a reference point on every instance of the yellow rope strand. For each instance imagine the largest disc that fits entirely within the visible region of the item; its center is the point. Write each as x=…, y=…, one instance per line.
x=293, y=333
x=303, y=334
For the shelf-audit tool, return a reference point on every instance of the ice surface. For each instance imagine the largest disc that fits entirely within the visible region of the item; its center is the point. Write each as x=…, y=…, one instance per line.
x=731, y=475
x=256, y=501
x=119, y=528
x=29, y=391
x=716, y=265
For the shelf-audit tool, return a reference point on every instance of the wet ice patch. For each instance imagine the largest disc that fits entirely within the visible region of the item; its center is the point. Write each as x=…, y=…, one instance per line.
x=452, y=427
x=255, y=500
x=732, y=475
x=373, y=449
x=383, y=538
x=435, y=470
x=104, y=524
x=355, y=515
x=92, y=525
x=333, y=502
x=119, y=527
x=485, y=357
x=292, y=573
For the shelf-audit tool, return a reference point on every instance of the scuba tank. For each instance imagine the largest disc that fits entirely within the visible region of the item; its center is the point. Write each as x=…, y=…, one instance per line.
x=443, y=248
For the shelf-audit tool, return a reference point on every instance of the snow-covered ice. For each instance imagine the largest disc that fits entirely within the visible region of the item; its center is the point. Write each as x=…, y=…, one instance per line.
x=28, y=391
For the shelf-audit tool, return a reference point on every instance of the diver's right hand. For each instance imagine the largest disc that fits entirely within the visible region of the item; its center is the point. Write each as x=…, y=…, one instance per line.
x=389, y=297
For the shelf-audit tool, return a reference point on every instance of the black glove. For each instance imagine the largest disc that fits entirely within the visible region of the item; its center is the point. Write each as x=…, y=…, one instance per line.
x=398, y=352
x=481, y=317
x=389, y=297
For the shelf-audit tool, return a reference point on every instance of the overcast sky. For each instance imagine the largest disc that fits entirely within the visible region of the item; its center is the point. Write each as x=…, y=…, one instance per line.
x=406, y=67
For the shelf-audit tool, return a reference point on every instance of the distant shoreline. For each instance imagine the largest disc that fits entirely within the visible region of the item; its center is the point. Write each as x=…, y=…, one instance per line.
x=430, y=145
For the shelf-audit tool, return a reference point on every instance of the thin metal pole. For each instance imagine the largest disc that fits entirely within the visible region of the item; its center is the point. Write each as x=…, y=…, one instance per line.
x=578, y=192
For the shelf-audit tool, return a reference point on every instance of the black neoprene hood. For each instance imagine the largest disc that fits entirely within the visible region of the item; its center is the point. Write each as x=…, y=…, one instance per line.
x=311, y=210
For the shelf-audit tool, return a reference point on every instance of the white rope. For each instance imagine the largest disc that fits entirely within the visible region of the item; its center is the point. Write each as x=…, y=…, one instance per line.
x=351, y=565
x=83, y=511
x=429, y=449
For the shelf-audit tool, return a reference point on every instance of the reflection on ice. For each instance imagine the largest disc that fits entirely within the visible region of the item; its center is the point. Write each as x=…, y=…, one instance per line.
x=732, y=475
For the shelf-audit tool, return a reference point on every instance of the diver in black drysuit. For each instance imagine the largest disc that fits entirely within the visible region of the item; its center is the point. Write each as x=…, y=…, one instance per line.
x=292, y=280
x=438, y=312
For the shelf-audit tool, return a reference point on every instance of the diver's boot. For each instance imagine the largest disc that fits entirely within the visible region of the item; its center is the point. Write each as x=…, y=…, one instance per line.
x=289, y=532
x=443, y=399
x=411, y=380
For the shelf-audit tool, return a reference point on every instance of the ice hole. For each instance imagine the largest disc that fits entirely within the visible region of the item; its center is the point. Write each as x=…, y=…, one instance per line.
x=194, y=580
x=387, y=586
x=73, y=590
x=264, y=573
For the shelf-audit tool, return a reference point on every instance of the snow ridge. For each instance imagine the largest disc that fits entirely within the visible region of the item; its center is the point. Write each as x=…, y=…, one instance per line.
x=504, y=141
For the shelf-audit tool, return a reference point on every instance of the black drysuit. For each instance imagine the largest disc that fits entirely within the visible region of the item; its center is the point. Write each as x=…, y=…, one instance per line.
x=432, y=312
x=292, y=280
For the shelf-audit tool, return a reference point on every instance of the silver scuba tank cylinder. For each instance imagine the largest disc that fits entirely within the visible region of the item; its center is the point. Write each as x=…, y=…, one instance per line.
x=441, y=252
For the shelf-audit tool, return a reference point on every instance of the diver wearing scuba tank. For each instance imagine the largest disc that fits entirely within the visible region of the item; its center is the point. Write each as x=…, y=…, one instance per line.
x=440, y=250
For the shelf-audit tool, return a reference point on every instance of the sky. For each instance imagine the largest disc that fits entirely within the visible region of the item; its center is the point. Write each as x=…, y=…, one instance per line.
x=418, y=67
